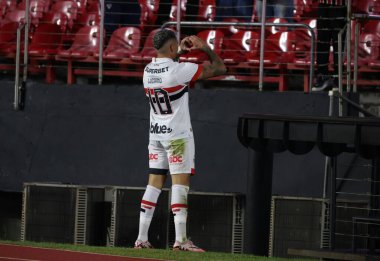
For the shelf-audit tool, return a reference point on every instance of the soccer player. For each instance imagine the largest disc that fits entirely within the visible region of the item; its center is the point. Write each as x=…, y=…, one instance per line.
x=171, y=142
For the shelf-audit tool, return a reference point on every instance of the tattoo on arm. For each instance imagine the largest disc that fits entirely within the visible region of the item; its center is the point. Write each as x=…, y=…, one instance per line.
x=216, y=67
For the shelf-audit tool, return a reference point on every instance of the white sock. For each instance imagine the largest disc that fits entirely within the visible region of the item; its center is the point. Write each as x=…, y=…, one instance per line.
x=148, y=205
x=179, y=209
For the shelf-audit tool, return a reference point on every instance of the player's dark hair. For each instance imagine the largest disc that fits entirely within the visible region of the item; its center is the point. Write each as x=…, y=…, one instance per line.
x=161, y=37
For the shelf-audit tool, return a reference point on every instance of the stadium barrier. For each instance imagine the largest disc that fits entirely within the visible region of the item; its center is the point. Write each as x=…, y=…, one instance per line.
x=109, y=216
x=64, y=214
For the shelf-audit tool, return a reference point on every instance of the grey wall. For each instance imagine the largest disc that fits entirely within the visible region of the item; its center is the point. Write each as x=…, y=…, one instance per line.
x=98, y=135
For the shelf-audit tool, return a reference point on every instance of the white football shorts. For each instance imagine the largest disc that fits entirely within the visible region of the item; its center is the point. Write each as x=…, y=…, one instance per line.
x=177, y=155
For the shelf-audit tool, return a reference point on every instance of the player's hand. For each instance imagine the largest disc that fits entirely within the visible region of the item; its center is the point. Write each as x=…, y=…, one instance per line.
x=185, y=44
x=197, y=43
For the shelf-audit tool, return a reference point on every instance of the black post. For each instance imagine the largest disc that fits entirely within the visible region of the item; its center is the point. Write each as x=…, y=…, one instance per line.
x=258, y=202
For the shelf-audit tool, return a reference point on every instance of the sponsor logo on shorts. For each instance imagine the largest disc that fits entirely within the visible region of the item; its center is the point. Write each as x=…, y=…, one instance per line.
x=153, y=156
x=159, y=129
x=175, y=159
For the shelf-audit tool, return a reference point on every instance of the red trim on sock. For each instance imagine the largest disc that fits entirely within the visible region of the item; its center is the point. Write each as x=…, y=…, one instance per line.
x=147, y=207
x=178, y=206
x=148, y=203
x=192, y=171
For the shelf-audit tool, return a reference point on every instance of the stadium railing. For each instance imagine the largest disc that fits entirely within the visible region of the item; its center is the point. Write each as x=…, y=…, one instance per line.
x=292, y=56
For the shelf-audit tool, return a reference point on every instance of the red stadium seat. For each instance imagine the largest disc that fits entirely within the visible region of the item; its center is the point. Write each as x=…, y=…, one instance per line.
x=305, y=9
x=149, y=13
x=37, y=8
x=207, y=10
x=303, y=43
x=93, y=7
x=8, y=32
x=86, y=44
x=15, y=16
x=82, y=6
x=368, y=52
x=302, y=47
x=47, y=41
x=279, y=49
x=59, y=19
x=69, y=8
x=278, y=53
x=174, y=10
x=366, y=6
x=214, y=39
x=372, y=26
x=148, y=51
x=6, y=6
x=238, y=45
x=276, y=29
x=8, y=38
x=124, y=42
x=85, y=20
x=84, y=48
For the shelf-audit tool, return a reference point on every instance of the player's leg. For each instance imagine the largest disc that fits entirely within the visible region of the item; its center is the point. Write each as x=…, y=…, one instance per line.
x=181, y=164
x=158, y=168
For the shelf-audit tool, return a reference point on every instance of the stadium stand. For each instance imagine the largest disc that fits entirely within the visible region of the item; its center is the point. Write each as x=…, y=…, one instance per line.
x=287, y=50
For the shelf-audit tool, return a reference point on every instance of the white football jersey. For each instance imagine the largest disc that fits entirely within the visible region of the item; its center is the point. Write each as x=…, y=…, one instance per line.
x=166, y=85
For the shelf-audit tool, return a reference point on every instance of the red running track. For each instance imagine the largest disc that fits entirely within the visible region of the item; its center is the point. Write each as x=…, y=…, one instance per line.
x=25, y=253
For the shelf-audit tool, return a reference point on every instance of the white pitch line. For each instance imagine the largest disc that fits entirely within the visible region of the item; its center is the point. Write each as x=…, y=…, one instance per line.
x=15, y=258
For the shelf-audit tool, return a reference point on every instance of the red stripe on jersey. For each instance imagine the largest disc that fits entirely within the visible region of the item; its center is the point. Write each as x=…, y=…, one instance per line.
x=192, y=171
x=197, y=73
x=174, y=88
x=148, y=203
x=168, y=89
x=178, y=206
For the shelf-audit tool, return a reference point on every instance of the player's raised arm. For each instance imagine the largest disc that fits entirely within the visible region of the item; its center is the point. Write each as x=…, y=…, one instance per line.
x=216, y=67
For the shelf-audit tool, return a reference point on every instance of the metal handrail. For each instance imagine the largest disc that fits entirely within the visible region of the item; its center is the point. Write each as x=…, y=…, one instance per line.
x=340, y=66
x=365, y=112
x=251, y=24
x=17, y=96
x=26, y=41
x=262, y=44
x=101, y=43
x=179, y=2
x=348, y=46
